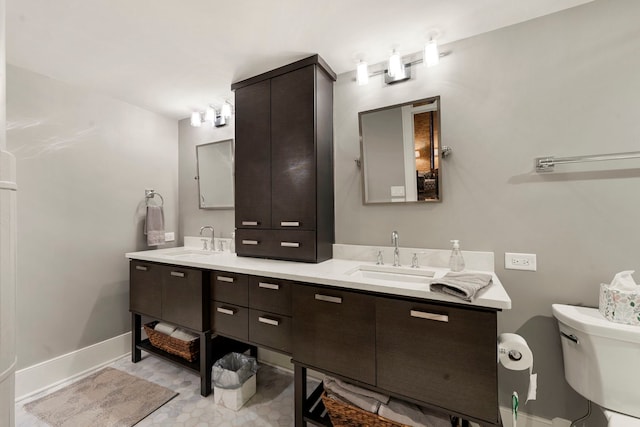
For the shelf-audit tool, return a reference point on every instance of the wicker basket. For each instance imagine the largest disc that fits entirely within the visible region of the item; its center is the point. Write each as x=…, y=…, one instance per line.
x=344, y=415
x=186, y=349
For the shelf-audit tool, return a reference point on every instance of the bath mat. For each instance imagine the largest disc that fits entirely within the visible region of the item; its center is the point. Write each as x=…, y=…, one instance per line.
x=108, y=397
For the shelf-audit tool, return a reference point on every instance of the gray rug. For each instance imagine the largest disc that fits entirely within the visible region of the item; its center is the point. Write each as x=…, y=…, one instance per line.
x=108, y=397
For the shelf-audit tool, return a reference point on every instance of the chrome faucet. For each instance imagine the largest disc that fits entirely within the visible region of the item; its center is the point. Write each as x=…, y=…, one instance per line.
x=204, y=241
x=396, y=251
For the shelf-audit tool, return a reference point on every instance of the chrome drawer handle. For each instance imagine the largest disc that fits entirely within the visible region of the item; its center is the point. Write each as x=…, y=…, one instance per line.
x=430, y=316
x=177, y=274
x=225, y=311
x=250, y=242
x=570, y=337
x=290, y=244
x=141, y=268
x=268, y=321
x=289, y=224
x=225, y=279
x=249, y=222
x=327, y=298
x=268, y=286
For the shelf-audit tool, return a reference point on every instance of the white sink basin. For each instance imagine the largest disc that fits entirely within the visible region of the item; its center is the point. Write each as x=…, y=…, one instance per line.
x=190, y=253
x=399, y=276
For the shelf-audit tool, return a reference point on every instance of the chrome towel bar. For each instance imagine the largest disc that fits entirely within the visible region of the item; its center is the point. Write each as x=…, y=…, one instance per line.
x=546, y=164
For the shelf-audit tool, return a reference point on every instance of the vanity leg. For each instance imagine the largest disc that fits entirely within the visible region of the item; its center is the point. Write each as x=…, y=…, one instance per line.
x=300, y=393
x=253, y=351
x=205, y=363
x=136, y=337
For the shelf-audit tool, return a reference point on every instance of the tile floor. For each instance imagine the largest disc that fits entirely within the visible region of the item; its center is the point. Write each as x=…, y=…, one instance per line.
x=272, y=405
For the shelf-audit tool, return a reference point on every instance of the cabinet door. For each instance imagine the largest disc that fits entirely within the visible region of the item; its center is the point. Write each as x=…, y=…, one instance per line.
x=439, y=354
x=334, y=330
x=182, y=297
x=145, y=288
x=230, y=287
x=252, y=156
x=293, y=186
x=272, y=295
x=230, y=320
x=270, y=330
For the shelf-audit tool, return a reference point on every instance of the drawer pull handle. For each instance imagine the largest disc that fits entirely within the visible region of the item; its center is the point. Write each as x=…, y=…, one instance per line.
x=225, y=311
x=290, y=244
x=249, y=222
x=268, y=286
x=225, y=279
x=268, y=321
x=289, y=224
x=250, y=242
x=327, y=298
x=141, y=268
x=430, y=316
x=177, y=274
x=570, y=337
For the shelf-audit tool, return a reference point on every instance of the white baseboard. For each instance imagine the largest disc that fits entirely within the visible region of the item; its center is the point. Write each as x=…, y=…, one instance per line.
x=50, y=373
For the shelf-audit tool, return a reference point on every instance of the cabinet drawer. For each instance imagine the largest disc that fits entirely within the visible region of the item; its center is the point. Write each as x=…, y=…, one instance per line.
x=256, y=243
x=230, y=320
x=270, y=330
x=272, y=295
x=182, y=297
x=145, y=288
x=334, y=330
x=439, y=354
x=294, y=245
x=230, y=287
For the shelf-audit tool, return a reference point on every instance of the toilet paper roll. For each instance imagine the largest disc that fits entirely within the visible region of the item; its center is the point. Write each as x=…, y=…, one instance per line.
x=514, y=352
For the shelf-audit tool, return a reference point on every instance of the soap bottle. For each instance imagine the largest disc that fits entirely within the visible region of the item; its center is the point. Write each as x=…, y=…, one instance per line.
x=232, y=246
x=456, y=262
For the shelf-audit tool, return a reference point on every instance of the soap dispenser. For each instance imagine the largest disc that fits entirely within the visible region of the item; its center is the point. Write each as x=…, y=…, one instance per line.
x=456, y=262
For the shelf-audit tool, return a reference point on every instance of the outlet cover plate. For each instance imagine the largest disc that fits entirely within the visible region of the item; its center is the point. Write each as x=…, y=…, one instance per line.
x=169, y=236
x=516, y=261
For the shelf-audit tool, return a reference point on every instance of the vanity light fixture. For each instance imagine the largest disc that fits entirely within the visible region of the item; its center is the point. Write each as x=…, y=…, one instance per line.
x=431, y=53
x=196, y=119
x=217, y=118
x=362, y=73
x=225, y=111
x=395, y=65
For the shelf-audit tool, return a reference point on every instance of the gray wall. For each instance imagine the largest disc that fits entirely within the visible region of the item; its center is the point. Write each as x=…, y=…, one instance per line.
x=83, y=163
x=565, y=84
x=191, y=216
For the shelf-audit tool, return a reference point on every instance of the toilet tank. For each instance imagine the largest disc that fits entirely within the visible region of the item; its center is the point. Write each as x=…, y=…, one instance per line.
x=600, y=358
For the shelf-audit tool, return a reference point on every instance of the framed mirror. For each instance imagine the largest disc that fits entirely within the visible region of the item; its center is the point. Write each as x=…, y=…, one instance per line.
x=215, y=174
x=400, y=152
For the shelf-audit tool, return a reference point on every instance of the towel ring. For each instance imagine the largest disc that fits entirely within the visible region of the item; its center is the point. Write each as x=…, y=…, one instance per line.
x=150, y=194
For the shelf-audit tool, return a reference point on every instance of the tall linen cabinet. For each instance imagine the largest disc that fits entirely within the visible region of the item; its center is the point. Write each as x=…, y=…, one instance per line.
x=284, y=163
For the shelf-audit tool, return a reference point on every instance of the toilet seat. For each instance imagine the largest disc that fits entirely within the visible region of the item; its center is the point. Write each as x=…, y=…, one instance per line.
x=616, y=419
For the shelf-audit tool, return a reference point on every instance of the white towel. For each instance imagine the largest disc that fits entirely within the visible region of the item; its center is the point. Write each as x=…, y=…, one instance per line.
x=382, y=398
x=164, y=328
x=462, y=285
x=154, y=226
x=413, y=415
x=183, y=335
x=360, y=400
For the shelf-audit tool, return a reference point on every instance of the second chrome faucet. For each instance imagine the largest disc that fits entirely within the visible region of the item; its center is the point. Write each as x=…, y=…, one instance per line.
x=396, y=251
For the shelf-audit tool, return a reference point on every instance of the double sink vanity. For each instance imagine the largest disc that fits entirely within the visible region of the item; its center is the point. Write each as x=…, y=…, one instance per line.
x=376, y=326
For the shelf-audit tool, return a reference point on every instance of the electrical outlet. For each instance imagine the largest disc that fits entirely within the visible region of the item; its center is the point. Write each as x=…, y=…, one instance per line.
x=169, y=236
x=515, y=261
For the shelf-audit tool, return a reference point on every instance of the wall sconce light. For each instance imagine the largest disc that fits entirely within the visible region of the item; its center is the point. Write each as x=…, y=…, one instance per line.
x=362, y=73
x=211, y=115
x=431, y=54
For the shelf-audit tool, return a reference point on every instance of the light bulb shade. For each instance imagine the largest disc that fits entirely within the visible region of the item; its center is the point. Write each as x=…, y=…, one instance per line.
x=226, y=110
x=431, y=54
x=395, y=64
x=362, y=73
x=210, y=115
x=196, y=119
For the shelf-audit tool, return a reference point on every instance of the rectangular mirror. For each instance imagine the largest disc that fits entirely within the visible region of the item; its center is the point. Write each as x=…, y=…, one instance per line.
x=215, y=174
x=399, y=149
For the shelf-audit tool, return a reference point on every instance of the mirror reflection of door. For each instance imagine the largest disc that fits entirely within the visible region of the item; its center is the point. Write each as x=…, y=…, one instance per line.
x=215, y=174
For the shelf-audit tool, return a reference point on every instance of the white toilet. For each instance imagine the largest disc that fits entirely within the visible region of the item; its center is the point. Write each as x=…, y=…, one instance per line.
x=601, y=361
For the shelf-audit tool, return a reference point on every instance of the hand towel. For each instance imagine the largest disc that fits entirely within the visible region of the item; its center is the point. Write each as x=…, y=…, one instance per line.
x=165, y=328
x=412, y=415
x=361, y=401
x=183, y=335
x=462, y=285
x=154, y=226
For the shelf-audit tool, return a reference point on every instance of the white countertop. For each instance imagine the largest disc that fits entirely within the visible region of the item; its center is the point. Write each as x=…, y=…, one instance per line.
x=333, y=272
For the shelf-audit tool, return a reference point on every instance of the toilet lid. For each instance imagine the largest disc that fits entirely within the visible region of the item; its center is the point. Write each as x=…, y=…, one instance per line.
x=616, y=419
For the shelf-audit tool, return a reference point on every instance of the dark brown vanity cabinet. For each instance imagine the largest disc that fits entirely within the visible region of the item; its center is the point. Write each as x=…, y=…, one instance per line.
x=439, y=354
x=334, y=330
x=284, y=163
x=170, y=293
x=230, y=314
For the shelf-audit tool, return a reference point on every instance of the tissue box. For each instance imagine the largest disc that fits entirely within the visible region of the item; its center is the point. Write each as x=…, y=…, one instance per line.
x=619, y=306
x=237, y=397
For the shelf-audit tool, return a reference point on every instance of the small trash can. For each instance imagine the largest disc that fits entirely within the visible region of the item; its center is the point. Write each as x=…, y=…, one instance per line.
x=234, y=380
